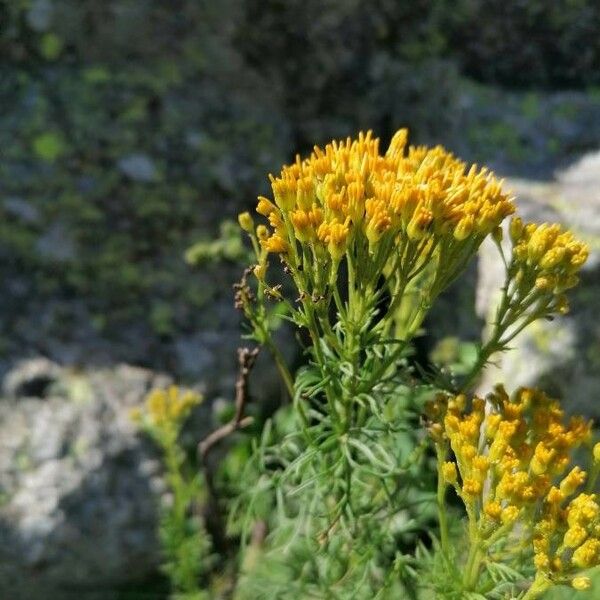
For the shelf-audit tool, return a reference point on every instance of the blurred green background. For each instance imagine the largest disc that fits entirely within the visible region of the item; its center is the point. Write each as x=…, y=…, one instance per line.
x=130, y=128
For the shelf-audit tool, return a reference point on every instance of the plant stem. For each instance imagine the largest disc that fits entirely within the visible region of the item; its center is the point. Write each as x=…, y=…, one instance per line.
x=281, y=366
x=473, y=559
x=538, y=587
x=441, y=505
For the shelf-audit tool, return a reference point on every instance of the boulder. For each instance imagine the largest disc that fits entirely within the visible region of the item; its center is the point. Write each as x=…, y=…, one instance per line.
x=79, y=487
x=561, y=356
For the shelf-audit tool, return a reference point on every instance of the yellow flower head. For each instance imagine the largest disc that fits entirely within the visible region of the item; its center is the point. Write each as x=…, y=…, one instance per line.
x=512, y=456
x=166, y=408
x=575, y=536
x=407, y=204
x=545, y=259
x=588, y=554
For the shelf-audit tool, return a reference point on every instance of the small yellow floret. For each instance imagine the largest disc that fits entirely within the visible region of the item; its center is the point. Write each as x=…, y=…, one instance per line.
x=265, y=207
x=541, y=561
x=509, y=514
x=581, y=583
x=587, y=555
x=572, y=481
x=449, y=472
x=471, y=488
x=275, y=244
x=575, y=536
x=493, y=510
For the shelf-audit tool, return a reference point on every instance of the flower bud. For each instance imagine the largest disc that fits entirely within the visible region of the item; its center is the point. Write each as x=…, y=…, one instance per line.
x=572, y=481
x=264, y=207
x=552, y=258
x=449, y=472
x=246, y=221
x=262, y=233
x=509, y=514
x=515, y=229
x=464, y=228
x=581, y=583
x=596, y=453
x=260, y=271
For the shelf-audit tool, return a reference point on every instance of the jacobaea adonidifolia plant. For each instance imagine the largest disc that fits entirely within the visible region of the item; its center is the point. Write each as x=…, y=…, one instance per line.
x=368, y=241
x=358, y=484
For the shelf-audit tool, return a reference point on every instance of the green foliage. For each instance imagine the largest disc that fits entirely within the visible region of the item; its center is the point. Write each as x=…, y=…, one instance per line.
x=557, y=41
x=228, y=246
x=185, y=544
x=187, y=550
x=342, y=485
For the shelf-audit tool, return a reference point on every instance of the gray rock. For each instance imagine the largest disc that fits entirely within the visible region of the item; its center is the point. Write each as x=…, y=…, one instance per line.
x=562, y=356
x=39, y=15
x=78, y=486
x=21, y=209
x=31, y=378
x=578, y=199
x=56, y=244
x=139, y=167
x=211, y=357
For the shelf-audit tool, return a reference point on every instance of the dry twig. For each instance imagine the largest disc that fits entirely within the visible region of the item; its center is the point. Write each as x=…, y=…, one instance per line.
x=246, y=360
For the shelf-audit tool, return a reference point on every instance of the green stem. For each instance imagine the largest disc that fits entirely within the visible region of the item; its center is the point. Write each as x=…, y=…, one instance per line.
x=281, y=367
x=538, y=587
x=474, y=558
x=316, y=344
x=264, y=337
x=484, y=354
x=594, y=472
x=441, y=503
x=175, y=478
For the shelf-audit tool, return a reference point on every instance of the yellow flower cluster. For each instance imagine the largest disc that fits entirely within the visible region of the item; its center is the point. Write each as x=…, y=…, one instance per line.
x=348, y=193
x=512, y=458
x=166, y=408
x=545, y=261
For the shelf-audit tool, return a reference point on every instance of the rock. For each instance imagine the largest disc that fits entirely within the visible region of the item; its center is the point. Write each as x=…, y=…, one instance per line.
x=56, y=244
x=31, y=378
x=78, y=486
x=562, y=356
x=211, y=356
x=579, y=200
x=39, y=15
x=21, y=209
x=138, y=167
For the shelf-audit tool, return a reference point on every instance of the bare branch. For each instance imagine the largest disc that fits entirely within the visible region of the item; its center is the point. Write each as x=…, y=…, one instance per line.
x=246, y=360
